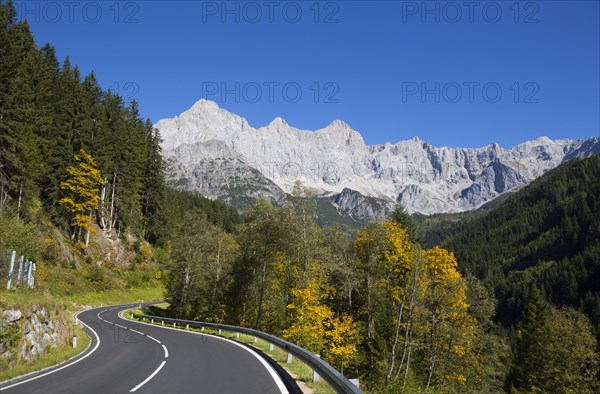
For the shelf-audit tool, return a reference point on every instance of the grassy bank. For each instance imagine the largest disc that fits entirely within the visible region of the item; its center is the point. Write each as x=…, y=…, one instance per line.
x=23, y=298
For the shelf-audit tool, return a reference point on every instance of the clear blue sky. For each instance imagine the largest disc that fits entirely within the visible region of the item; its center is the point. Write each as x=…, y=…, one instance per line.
x=367, y=63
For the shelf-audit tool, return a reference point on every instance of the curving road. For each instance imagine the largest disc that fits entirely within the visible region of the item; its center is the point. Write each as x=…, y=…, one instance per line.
x=127, y=356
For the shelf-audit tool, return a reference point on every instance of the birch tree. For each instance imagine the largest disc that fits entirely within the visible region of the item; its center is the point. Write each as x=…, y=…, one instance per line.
x=83, y=188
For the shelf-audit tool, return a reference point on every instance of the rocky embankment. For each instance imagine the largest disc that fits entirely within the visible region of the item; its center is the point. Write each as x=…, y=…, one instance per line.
x=24, y=334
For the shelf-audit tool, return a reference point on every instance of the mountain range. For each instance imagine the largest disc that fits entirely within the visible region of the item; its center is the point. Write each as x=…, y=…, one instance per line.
x=218, y=154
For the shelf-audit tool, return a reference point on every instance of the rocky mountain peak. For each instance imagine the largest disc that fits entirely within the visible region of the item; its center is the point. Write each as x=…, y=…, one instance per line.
x=278, y=122
x=335, y=159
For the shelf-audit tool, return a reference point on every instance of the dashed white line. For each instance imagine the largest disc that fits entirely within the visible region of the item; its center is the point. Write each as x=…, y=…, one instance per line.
x=148, y=378
x=166, y=351
x=154, y=339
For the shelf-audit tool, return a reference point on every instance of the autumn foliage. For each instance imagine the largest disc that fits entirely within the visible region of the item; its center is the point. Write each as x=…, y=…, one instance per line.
x=82, y=186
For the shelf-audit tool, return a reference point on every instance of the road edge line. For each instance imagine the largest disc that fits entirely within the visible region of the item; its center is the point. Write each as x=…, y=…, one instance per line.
x=59, y=366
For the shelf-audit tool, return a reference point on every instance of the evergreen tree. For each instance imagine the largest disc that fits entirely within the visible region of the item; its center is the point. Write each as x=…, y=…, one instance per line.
x=534, y=317
x=153, y=188
x=402, y=218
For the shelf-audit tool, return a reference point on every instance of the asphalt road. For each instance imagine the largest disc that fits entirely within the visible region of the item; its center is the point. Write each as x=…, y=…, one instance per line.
x=127, y=356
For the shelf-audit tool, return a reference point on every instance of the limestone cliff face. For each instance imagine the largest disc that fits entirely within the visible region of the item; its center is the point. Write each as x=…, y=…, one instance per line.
x=220, y=155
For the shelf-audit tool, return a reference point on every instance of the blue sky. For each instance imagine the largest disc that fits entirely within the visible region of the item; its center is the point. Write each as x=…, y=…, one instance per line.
x=449, y=72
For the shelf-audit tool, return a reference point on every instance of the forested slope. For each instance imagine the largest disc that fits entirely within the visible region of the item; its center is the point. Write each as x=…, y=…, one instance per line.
x=546, y=235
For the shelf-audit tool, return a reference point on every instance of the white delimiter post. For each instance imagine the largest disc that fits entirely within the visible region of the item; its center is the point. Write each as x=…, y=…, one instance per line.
x=74, y=341
x=315, y=374
x=289, y=358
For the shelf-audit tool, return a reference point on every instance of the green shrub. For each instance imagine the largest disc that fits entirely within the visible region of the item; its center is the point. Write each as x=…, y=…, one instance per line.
x=96, y=274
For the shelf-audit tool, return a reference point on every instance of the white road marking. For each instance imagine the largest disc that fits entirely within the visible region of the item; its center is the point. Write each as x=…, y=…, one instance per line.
x=154, y=339
x=148, y=378
x=136, y=331
x=166, y=351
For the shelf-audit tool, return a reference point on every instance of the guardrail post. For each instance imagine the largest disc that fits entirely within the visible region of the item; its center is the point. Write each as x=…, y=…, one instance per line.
x=316, y=376
x=289, y=358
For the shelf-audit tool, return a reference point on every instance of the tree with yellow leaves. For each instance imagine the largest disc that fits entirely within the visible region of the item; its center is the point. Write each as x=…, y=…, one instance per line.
x=450, y=329
x=310, y=318
x=83, y=187
x=341, y=340
x=398, y=258
x=316, y=328
x=417, y=309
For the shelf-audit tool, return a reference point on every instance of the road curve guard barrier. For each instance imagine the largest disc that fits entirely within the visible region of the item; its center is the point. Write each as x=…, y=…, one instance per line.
x=333, y=377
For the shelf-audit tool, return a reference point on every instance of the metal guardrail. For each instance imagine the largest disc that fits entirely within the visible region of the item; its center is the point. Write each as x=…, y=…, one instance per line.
x=336, y=380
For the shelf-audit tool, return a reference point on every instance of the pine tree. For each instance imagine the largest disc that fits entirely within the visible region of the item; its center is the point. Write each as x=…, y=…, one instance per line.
x=66, y=123
x=534, y=317
x=403, y=219
x=153, y=189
